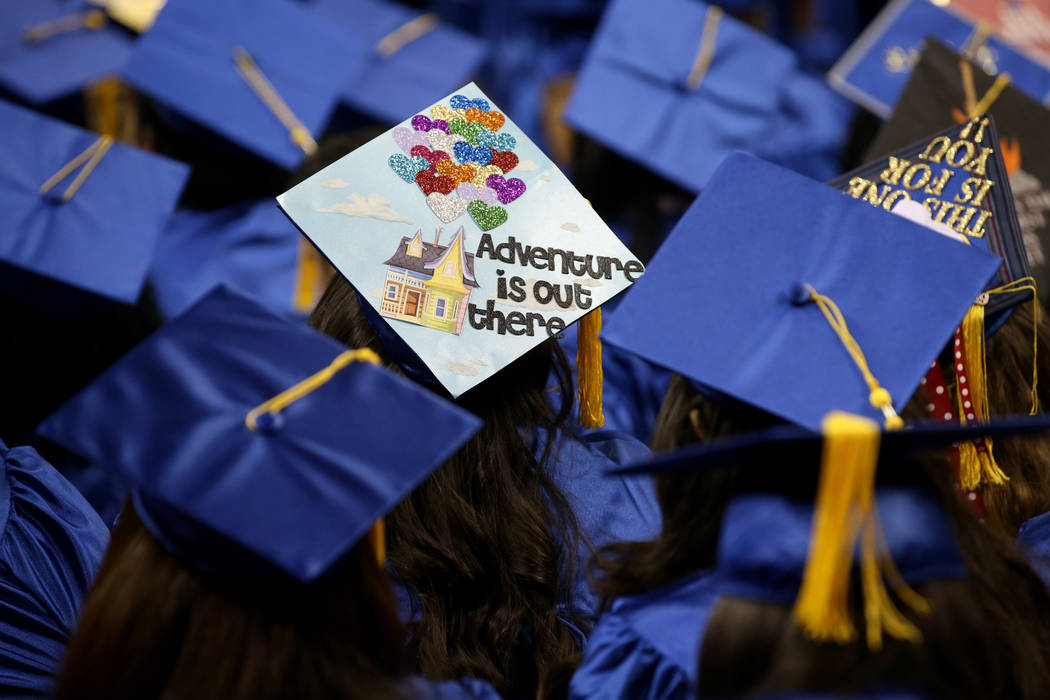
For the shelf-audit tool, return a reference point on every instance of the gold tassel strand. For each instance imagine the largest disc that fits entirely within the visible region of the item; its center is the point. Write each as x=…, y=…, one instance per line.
x=589, y=370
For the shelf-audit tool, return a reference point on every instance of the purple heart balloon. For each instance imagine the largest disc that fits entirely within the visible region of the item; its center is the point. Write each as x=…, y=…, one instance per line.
x=407, y=139
x=421, y=122
x=506, y=190
x=468, y=191
x=440, y=124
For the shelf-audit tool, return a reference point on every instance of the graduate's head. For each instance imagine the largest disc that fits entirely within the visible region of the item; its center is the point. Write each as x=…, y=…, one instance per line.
x=248, y=561
x=915, y=603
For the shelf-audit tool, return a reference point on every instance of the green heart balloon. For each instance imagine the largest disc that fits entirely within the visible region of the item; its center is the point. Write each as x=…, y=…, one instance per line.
x=468, y=130
x=485, y=216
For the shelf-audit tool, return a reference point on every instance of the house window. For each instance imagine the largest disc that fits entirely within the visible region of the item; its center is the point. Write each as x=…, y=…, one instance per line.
x=449, y=269
x=439, y=308
x=391, y=291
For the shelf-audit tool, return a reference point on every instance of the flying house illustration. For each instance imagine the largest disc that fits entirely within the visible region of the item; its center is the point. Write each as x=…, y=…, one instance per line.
x=429, y=283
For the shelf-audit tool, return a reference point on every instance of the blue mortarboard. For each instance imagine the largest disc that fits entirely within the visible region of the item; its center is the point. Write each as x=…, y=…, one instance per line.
x=413, y=58
x=674, y=86
x=727, y=299
x=50, y=49
x=101, y=239
x=199, y=58
x=250, y=246
x=297, y=491
x=876, y=67
x=779, y=544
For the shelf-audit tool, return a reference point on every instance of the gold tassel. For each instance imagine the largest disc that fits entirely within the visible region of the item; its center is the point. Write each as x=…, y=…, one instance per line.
x=377, y=538
x=589, y=370
x=307, y=279
x=845, y=510
x=976, y=466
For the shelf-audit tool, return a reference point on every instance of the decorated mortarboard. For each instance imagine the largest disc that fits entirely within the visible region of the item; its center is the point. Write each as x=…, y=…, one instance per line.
x=784, y=294
x=943, y=89
x=1015, y=21
x=414, y=58
x=263, y=74
x=464, y=238
x=875, y=68
x=51, y=49
x=959, y=180
x=249, y=246
x=78, y=207
x=673, y=86
x=777, y=544
x=250, y=439
x=136, y=15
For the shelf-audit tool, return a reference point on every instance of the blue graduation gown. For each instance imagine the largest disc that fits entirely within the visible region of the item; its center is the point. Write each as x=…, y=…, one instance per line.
x=463, y=689
x=648, y=646
x=1034, y=538
x=51, y=545
x=608, y=509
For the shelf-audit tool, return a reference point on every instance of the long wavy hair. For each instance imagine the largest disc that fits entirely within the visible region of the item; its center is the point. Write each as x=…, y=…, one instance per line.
x=985, y=636
x=152, y=628
x=486, y=546
x=1025, y=460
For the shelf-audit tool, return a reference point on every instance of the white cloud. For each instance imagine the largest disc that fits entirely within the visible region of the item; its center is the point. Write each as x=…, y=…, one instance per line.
x=570, y=226
x=374, y=206
x=481, y=362
x=462, y=369
x=336, y=184
x=527, y=165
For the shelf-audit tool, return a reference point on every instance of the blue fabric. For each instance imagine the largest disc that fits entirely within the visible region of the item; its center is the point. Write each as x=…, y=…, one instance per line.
x=868, y=75
x=250, y=246
x=735, y=264
x=61, y=65
x=632, y=389
x=765, y=538
x=464, y=689
x=294, y=494
x=101, y=240
x=186, y=62
x=617, y=509
x=1034, y=538
x=51, y=545
x=648, y=646
x=631, y=95
x=420, y=73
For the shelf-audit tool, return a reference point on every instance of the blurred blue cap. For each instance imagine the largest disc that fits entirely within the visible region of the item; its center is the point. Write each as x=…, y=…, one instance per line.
x=295, y=493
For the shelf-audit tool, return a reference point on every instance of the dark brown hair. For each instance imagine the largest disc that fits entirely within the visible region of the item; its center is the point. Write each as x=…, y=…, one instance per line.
x=152, y=628
x=986, y=636
x=1025, y=460
x=691, y=503
x=487, y=544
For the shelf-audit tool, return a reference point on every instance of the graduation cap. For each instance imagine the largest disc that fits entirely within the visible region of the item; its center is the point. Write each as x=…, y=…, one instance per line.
x=50, y=49
x=251, y=441
x=673, y=86
x=784, y=294
x=414, y=57
x=936, y=97
x=959, y=177
x=137, y=15
x=263, y=74
x=775, y=546
x=251, y=246
x=78, y=207
x=875, y=68
x=465, y=243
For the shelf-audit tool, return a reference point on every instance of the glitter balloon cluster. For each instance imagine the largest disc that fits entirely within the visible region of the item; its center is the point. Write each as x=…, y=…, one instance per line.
x=458, y=158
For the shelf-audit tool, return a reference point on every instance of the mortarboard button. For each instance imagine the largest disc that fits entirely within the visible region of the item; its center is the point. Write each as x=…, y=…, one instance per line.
x=463, y=238
x=67, y=209
x=231, y=426
x=885, y=296
x=263, y=74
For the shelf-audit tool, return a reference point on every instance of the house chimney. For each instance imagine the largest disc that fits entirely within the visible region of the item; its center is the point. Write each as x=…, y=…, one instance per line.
x=437, y=235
